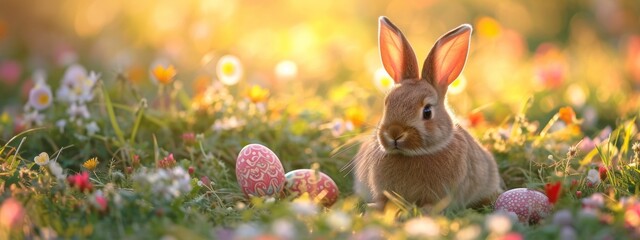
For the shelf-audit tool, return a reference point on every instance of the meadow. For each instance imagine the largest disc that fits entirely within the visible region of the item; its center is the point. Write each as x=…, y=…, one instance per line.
x=124, y=119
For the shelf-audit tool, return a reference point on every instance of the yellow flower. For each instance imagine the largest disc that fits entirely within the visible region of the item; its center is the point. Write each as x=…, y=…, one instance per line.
x=488, y=27
x=42, y=159
x=258, y=94
x=567, y=115
x=91, y=164
x=164, y=75
x=355, y=115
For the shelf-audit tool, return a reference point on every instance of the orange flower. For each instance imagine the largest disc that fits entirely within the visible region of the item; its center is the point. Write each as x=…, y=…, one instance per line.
x=258, y=94
x=164, y=75
x=567, y=115
x=355, y=115
x=475, y=118
x=488, y=27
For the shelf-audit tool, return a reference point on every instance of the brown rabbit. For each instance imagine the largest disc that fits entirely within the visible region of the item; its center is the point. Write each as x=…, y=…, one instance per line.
x=417, y=151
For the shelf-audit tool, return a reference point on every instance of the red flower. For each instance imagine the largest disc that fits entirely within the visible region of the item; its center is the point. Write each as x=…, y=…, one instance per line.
x=602, y=170
x=475, y=118
x=191, y=170
x=101, y=203
x=578, y=194
x=80, y=181
x=553, y=191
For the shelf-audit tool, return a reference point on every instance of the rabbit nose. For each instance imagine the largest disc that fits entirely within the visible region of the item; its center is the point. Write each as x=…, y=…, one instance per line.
x=395, y=135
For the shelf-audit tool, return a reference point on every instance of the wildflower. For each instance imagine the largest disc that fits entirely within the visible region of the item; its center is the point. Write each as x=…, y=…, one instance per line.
x=42, y=159
x=11, y=214
x=166, y=184
x=382, y=80
x=227, y=123
x=283, y=229
x=568, y=233
x=61, y=124
x=80, y=181
x=594, y=201
x=135, y=161
x=78, y=111
x=32, y=118
x=304, y=206
x=167, y=162
x=632, y=216
x=40, y=97
x=593, y=177
x=578, y=194
x=567, y=115
x=355, y=115
x=91, y=164
x=229, y=70
x=286, y=70
x=164, y=75
x=189, y=138
x=602, y=172
x=339, y=221
x=553, y=191
x=191, y=170
x=99, y=201
x=77, y=86
x=422, y=227
x=458, y=85
x=572, y=152
x=56, y=170
x=92, y=128
x=10, y=71
x=258, y=94
x=475, y=118
x=498, y=223
x=488, y=27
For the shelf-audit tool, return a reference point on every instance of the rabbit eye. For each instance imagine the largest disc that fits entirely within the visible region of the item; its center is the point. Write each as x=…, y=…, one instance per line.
x=426, y=112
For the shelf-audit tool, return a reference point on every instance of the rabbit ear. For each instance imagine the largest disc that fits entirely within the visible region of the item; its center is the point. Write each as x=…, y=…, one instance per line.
x=397, y=55
x=447, y=57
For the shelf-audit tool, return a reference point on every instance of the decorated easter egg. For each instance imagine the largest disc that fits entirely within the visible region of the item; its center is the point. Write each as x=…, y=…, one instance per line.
x=315, y=183
x=529, y=205
x=259, y=171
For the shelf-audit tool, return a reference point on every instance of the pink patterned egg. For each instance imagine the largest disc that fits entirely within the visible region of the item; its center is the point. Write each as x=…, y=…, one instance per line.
x=259, y=171
x=313, y=182
x=529, y=205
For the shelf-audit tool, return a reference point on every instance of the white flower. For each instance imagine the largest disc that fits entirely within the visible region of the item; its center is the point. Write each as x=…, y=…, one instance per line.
x=382, y=80
x=33, y=118
x=77, y=86
x=593, y=177
x=498, y=223
x=339, y=221
x=42, y=159
x=304, y=207
x=56, y=170
x=77, y=111
x=167, y=184
x=283, y=229
x=227, y=123
x=92, y=128
x=229, y=70
x=422, y=227
x=40, y=96
x=61, y=124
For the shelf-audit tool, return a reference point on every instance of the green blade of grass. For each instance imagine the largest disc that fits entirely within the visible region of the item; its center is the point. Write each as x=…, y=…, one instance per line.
x=139, y=114
x=112, y=116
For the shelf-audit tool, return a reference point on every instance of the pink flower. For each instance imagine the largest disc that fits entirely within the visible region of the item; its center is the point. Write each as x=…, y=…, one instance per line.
x=80, y=181
x=189, y=138
x=10, y=72
x=11, y=214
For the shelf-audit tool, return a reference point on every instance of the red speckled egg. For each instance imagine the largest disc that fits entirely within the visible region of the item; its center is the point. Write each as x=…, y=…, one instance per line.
x=529, y=205
x=313, y=182
x=259, y=171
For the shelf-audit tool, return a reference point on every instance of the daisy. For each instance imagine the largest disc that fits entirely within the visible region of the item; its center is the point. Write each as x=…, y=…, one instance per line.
x=40, y=97
x=91, y=164
x=258, y=94
x=382, y=80
x=229, y=70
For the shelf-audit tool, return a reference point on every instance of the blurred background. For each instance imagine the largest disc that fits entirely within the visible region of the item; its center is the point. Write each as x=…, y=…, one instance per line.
x=323, y=54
